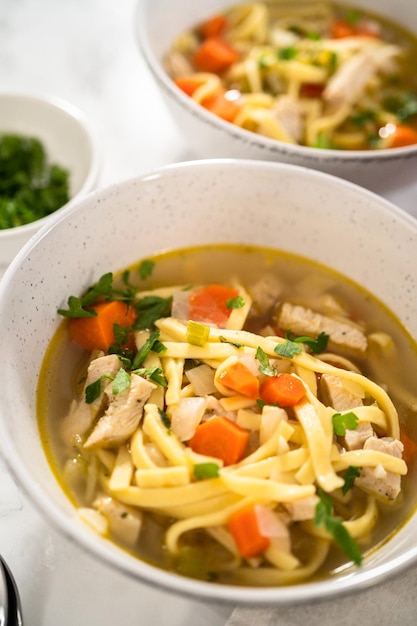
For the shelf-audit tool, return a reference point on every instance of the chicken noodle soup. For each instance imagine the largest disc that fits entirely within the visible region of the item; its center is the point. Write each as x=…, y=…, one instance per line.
x=233, y=414
x=317, y=74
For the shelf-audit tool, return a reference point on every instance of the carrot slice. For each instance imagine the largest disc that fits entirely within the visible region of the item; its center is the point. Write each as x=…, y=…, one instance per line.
x=244, y=528
x=221, y=438
x=284, y=390
x=210, y=304
x=239, y=378
x=213, y=27
x=188, y=84
x=410, y=448
x=341, y=28
x=221, y=106
x=97, y=333
x=403, y=136
x=214, y=55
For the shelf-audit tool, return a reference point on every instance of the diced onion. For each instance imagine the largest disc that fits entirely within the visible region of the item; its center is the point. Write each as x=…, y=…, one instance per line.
x=180, y=305
x=187, y=416
x=270, y=523
x=202, y=380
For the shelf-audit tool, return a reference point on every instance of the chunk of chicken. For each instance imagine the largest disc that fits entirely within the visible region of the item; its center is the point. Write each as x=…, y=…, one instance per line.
x=355, y=439
x=81, y=415
x=376, y=480
x=343, y=334
x=303, y=509
x=335, y=394
x=290, y=116
x=123, y=414
x=125, y=523
x=350, y=81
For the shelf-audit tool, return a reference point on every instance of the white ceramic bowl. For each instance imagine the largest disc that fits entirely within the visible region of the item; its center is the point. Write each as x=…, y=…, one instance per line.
x=68, y=142
x=157, y=24
x=229, y=201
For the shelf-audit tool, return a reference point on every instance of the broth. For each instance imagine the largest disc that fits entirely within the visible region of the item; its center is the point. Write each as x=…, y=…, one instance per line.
x=390, y=361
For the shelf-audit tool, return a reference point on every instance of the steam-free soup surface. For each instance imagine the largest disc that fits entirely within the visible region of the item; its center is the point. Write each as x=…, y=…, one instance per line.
x=271, y=435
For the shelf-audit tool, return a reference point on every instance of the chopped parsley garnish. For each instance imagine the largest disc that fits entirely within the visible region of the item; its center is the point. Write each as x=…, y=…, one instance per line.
x=164, y=419
x=121, y=381
x=360, y=119
x=93, y=391
x=288, y=349
x=30, y=187
x=150, y=309
x=232, y=343
x=206, y=470
x=323, y=142
x=291, y=348
x=403, y=105
x=77, y=307
x=343, y=421
x=154, y=374
x=286, y=54
x=353, y=16
x=151, y=344
x=146, y=268
x=264, y=364
x=351, y=473
x=235, y=303
x=333, y=525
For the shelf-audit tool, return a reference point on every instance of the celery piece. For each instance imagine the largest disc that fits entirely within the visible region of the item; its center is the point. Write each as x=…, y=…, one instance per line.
x=197, y=334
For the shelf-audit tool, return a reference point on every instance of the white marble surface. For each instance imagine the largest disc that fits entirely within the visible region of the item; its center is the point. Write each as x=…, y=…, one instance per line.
x=84, y=51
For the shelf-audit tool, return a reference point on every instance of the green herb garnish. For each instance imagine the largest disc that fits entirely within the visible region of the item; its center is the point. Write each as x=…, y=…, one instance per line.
x=291, y=346
x=150, y=309
x=286, y=54
x=154, y=374
x=77, y=307
x=30, y=187
x=146, y=268
x=206, y=470
x=232, y=343
x=121, y=382
x=235, y=303
x=288, y=349
x=351, y=473
x=343, y=421
x=164, y=419
x=151, y=344
x=264, y=364
x=333, y=525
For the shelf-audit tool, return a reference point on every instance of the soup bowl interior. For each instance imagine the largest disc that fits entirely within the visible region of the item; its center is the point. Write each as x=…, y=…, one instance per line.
x=159, y=22
x=204, y=202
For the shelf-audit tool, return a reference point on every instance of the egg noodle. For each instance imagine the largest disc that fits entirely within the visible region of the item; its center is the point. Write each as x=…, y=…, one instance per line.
x=295, y=459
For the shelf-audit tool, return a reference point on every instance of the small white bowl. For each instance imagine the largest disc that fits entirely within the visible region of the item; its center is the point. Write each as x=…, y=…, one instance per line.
x=220, y=201
x=159, y=22
x=68, y=142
